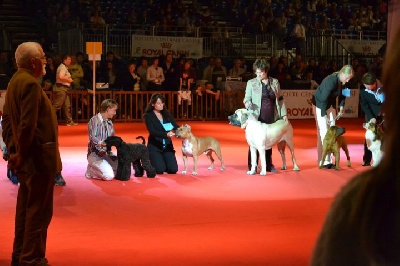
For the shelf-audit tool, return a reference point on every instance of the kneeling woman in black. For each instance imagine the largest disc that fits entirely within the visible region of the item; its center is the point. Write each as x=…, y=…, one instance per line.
x=161, y=126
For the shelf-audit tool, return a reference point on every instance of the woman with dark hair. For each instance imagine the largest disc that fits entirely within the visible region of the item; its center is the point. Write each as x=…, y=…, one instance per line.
x=161, y=126
x=363, y=224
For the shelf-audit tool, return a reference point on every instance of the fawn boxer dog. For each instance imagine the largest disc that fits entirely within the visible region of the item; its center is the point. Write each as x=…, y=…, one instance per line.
x=333, y=141
x=194, y=147
x=373, y=138
x=261, y=136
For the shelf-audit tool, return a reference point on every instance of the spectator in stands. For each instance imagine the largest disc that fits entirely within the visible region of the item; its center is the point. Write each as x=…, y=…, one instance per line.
x=87, y=71
x=76, y=73
x=185, y=82
x=110, y=16
x=309, y=78
x=207, y=72
x=130, y=79
x=170, y=73
x=236, y=70
x=97, y=22
x=324, y=105
x=113, y=58
x=290, y=11
x=279, y=72
x=161, y=125
x=111, y=76
x=362, y=224
x=321, y=70
x=299, y=34
x=132, y=17
x=282, y=25
x=155, y=76
x=218, y=73
x=50, y=70
x=376, y=66
x=264, y=96
x=142, y=72
x=191, y=28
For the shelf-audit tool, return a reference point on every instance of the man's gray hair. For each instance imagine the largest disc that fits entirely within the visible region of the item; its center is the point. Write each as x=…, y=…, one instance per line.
x=25, y=51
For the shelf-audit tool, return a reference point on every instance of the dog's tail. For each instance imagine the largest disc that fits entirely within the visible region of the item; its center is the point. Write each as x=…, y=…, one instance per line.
x=143, y=140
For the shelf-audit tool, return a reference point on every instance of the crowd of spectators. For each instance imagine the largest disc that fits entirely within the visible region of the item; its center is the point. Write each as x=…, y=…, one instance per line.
x=181, y=18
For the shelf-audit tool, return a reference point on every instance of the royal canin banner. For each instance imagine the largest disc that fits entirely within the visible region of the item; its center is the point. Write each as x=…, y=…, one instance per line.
x=299, y=106
x=361, y=47
x=153, y=46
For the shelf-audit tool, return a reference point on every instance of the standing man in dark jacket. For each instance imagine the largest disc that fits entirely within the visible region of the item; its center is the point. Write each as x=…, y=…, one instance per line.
x=371, y=100
x=31, y=134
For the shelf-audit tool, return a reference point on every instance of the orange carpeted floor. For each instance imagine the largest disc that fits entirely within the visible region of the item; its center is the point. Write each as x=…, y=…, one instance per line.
x=214, y=218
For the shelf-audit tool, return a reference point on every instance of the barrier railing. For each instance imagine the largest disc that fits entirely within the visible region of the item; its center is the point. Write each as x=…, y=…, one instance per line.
x=131, y=105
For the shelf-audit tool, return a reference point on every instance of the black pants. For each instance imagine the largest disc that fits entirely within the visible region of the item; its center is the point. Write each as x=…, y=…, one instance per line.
x=163, y=160
x=268, y=159
x=367, y=157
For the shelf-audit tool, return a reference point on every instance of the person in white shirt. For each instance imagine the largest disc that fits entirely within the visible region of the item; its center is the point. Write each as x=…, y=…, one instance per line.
x=61, y=88
x=155, y=76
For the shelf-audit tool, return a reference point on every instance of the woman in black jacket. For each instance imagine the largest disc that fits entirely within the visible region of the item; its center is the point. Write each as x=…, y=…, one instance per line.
x=161, y=126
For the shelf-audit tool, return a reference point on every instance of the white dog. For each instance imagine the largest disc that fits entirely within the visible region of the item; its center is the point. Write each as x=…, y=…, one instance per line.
x=373, y=138
x=261, y=136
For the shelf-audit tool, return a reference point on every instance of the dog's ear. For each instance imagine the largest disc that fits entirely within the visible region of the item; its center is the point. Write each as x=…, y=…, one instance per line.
x=188, y=127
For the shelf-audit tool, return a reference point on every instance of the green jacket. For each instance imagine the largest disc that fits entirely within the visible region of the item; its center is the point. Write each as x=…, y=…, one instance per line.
x=254, y=92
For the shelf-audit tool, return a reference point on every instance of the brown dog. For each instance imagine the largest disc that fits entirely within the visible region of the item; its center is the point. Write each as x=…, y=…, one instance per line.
x=194, y=147
x=333, y=141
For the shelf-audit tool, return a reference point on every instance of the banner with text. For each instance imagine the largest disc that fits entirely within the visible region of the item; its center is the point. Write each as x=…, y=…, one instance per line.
x=361, y=47
x=153, y=46
x=299, y=105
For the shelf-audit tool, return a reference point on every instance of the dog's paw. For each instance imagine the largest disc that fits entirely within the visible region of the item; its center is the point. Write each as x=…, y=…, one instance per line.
x=184, y=172
x=263, y=173
x=251, y=172
x=296, y=168
x=283, y=167
x=194, y=173
x=222, y=168
x=210, y=168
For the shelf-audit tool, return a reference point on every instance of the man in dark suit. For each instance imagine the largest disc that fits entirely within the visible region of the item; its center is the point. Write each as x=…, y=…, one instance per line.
x=30, y=133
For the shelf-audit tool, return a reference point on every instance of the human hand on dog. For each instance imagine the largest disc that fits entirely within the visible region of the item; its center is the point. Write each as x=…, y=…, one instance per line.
x=373, y=121
x=170, y=134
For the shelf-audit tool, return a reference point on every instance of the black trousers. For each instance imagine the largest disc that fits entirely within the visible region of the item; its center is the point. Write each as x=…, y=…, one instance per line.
x=367, y=157
x=163, y=160
x=268, y=159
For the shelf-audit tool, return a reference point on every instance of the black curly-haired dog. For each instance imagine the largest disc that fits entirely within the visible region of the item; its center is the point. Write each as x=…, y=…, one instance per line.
x=136, y=154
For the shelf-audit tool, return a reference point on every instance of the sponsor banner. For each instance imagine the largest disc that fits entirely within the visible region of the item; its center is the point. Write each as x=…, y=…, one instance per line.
x=361, y=47
x=299, y=105
x=153, y=46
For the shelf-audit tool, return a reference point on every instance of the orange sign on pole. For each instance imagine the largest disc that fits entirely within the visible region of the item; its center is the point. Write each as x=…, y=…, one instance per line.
x=94, y=51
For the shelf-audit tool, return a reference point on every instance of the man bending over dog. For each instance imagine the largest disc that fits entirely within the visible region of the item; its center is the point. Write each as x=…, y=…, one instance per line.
x=101, y=165
x=263, y=96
